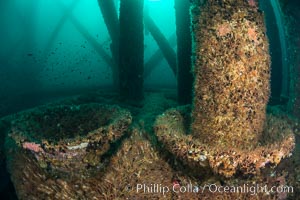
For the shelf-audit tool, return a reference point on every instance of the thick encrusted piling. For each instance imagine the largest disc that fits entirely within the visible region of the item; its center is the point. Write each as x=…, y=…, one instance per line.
x=230, y=134
x=232, y=73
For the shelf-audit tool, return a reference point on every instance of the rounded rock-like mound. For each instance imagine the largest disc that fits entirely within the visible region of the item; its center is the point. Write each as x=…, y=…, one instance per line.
x=66, y=138
x=276, y=143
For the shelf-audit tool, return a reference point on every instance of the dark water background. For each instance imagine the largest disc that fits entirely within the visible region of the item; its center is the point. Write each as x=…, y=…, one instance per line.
x=45, y=55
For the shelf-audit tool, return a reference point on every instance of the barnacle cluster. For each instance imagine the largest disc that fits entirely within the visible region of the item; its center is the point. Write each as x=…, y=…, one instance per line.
x=230, y=132
x=59, y=143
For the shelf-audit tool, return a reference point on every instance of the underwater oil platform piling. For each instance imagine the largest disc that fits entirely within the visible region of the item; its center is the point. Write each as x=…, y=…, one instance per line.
x=110, y=16
x=230, y=133
x=184, y=51
x=131, y=49
x=232, y=74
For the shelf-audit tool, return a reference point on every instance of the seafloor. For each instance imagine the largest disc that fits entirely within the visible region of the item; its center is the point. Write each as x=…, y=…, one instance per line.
x=139, y=159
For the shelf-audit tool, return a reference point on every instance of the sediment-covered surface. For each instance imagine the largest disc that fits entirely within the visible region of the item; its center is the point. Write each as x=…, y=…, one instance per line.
x=138, y=159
